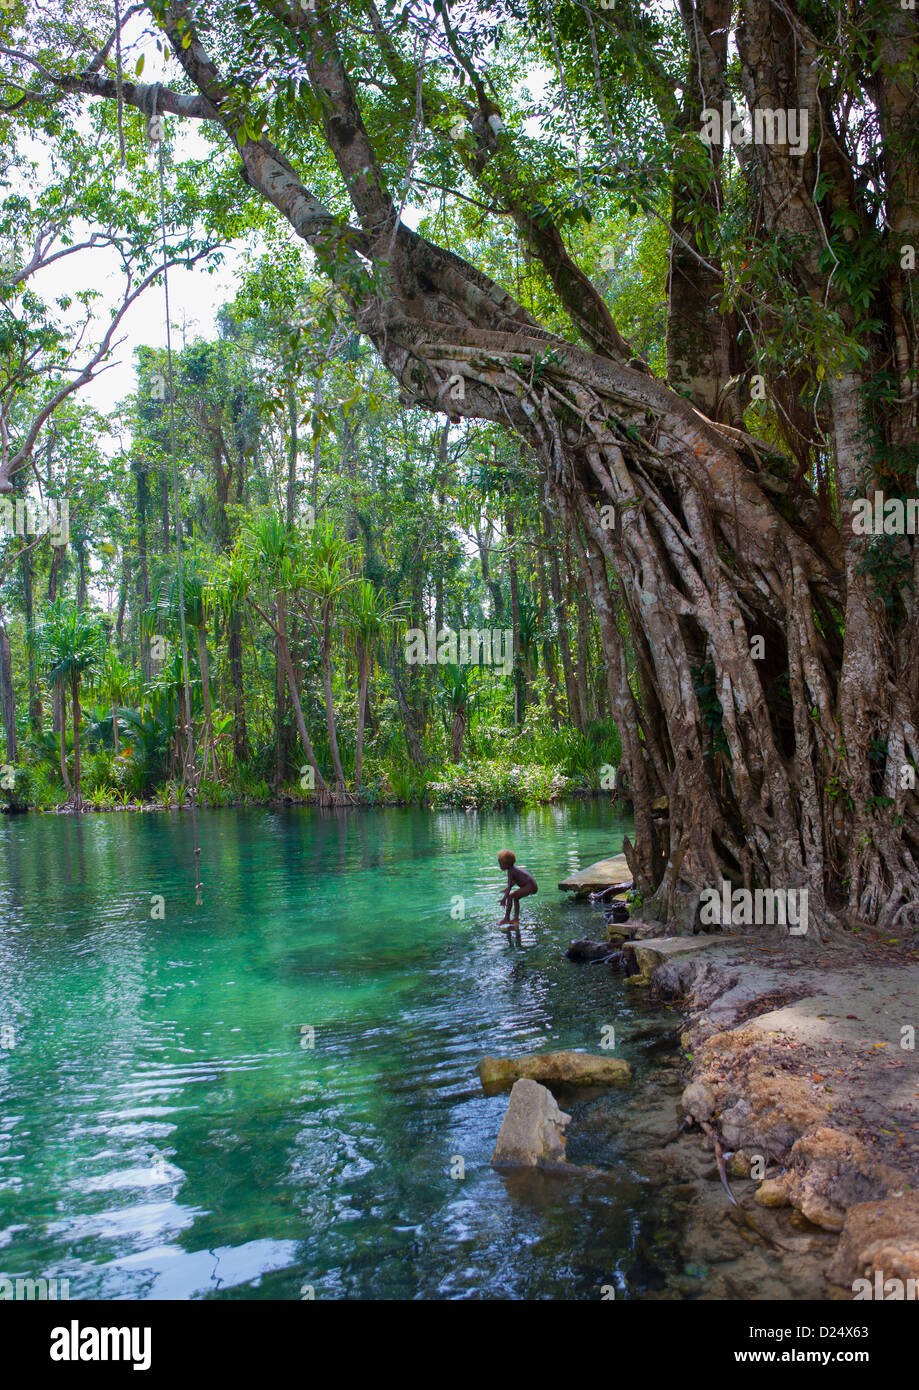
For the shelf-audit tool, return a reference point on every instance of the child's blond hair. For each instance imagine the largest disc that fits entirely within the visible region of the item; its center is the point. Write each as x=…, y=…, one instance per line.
x=506, y=858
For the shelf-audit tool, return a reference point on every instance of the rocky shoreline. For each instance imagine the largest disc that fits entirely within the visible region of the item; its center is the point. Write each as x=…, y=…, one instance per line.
x=803, y=1088
x=786, y=1130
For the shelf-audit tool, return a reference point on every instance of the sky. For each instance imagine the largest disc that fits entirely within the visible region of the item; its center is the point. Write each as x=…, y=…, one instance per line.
x=195, y=296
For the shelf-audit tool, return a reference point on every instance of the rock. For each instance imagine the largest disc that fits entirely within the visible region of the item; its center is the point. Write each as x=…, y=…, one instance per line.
x=739, y=1165
x=830, y=1171
x=673, y=979
x=698, y=1100
x=878, y=1238
x=606, y=873
x=532, y=1131
x=654, y=951
x=569, y=1068
x=631, y=930
x=586, y=950
x=772, y=1192
x=734, y=1123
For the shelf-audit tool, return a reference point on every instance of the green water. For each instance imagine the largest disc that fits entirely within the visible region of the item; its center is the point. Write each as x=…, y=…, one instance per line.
x=166, y=1129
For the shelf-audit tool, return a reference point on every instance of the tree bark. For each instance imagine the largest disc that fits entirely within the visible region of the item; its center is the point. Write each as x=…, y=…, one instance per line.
x=7, y=696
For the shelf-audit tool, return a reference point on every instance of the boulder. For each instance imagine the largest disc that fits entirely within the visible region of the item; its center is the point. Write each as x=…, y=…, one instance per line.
x=532, y=1131
x=699, y=1101
x=606, y=873
x=654, y=951
x=631, y=930
x=772, y=1192
x=830, y=1171
x=878, y=1239
x=561, y=1068
x=586, y=950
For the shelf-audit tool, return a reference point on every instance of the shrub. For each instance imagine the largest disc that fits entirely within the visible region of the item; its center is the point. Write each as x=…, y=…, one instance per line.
x=494, y=784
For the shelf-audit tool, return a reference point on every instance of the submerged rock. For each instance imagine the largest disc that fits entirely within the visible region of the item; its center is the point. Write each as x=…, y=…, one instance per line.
x=586, y=950
x=772, y=1192
x=656, y=950
x=568, y=1068
x=532, y=1131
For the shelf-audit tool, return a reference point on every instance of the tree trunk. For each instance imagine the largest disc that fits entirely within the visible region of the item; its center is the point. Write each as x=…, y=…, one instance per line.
x=205, y=670
x=561, y=620
x=36, y=707
x=60, y=706
x=235, y=656
x=123, y=590
x=520, y=689
x=329, y=700
x=288, y=668
x=75, y=700
x=7, y=696
x=363, y=665
x=457, y=735
x=415, y=751
x=54, y=573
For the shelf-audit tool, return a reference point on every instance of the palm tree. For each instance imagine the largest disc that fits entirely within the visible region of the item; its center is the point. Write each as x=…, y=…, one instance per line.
x=71, y=644
x=369, y=618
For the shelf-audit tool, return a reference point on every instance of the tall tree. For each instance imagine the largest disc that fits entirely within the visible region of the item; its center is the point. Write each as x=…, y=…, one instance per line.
x=719, y=534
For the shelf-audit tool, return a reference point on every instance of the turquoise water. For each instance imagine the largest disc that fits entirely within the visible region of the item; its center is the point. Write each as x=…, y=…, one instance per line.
x=167, y=1128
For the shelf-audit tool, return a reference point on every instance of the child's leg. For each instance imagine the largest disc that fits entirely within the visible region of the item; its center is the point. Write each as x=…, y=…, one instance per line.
x=520, y=893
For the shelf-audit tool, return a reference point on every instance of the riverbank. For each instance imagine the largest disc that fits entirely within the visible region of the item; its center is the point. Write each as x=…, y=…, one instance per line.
x=343, y=800
x=802, y=1080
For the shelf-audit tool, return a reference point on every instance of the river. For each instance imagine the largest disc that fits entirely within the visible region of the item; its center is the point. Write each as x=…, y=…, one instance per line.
x=275, y=1095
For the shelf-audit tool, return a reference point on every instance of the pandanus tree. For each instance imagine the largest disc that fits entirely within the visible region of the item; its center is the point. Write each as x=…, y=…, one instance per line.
x=116, y=684
x=70, y=641
x=370, y=618
x=711, y=505
x=266, y=569
x=328, y=579
x=196, y=616
x=456, y=700
x=163, y=619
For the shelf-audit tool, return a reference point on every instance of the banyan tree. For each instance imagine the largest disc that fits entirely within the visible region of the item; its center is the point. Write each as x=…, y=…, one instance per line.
x=762, y=653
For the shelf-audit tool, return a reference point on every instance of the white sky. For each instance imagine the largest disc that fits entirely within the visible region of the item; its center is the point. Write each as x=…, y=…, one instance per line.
x=195, y=296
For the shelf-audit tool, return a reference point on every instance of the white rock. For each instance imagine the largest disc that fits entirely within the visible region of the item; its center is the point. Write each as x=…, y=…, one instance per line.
x=532, y=1132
